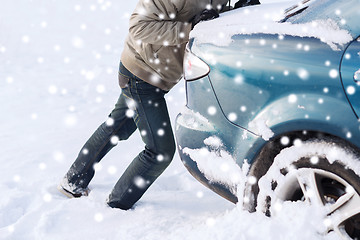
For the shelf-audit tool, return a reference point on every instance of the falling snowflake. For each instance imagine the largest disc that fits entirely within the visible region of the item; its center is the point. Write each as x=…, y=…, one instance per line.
x=70, y=120
x=57, y=48
x=333, y=73
x=58, y=156
x=112, y=170
x=239, y=79
x=303, y=73
x=93, y=7
x=292, y=98
x=297, y=142
x=43, y=24
x=52, y=89
x=97, y=167
x=199, y=194
x=64, y=91
x=16, y=178
x=114, y=140
x=155, y=79
x=47, y=197
x=140, y=182
x=11, y=228
x=100, y=88
x=25, y=39
x=34, y=116
x=131, y=104
x=78, y=42
x=278, y=206
x=284, y=140
x=211, y=110
x=40, y=60
x=107, y=31
x=251, y=180
x=42, y=166
x=348, y=135
x=160, y=157
x=161, y=132
x=77, y=7
x=130, y=113
x=314, y=160
x=232, y=116
x=85, y=151
x=110, y=121
x=350, y=90
x=98, y=217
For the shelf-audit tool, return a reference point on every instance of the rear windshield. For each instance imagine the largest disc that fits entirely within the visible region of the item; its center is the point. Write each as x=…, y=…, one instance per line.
x=345, y=13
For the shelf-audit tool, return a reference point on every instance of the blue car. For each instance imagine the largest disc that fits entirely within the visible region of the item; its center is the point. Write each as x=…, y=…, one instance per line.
x=273, y=106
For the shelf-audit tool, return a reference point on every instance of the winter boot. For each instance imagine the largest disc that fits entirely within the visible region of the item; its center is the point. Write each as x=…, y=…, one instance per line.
x=65, y=188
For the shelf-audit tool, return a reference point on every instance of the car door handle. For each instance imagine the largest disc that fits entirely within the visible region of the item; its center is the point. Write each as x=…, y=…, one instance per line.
x=357, y=76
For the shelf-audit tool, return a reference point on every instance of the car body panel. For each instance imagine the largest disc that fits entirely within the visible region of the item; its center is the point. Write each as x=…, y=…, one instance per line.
x=272, y=83
x=193, y=128
x=350, y=66
x=279, y=91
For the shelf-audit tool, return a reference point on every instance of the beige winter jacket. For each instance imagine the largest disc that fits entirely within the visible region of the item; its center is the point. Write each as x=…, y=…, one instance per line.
x=158, y=32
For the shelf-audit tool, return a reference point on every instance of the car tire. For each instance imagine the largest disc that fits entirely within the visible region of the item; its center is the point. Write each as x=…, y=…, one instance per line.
x=322, y=173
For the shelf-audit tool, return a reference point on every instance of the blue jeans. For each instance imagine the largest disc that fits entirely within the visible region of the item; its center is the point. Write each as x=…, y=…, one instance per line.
x=140, y=106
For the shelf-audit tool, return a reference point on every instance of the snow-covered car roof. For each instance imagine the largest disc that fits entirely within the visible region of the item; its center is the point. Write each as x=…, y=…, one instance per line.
x=332, y=22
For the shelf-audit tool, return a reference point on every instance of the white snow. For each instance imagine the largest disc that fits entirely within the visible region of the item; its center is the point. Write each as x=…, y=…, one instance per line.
x=58, y=82
x=216, y=164
x=194, y=120
x=265, y=19
x=260, y=127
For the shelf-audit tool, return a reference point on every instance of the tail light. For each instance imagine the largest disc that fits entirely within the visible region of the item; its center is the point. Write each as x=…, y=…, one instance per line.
x=194, y=67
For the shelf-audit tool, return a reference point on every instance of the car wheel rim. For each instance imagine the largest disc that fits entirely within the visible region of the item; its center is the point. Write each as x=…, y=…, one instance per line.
x=337, y=198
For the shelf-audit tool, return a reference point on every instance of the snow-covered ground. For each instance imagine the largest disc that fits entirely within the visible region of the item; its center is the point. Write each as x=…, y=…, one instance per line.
x=58, y=82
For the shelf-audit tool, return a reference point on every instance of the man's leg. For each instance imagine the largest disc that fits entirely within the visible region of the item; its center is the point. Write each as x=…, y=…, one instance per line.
x=152, y=119
x=118, y=126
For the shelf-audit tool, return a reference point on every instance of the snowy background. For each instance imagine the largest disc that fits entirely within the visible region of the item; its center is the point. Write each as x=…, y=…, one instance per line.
x=58, y=82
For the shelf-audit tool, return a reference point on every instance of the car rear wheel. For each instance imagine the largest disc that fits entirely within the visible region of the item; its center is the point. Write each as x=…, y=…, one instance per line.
x=323, y=174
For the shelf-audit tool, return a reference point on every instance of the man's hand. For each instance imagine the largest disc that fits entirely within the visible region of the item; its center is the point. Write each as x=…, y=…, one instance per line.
x=203, y=16
x=245, y=3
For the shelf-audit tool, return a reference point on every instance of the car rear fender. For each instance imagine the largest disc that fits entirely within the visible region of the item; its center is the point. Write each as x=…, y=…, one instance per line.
x=325, y=114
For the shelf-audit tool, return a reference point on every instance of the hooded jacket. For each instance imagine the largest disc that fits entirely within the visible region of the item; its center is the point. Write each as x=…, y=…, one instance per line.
x=158, y=33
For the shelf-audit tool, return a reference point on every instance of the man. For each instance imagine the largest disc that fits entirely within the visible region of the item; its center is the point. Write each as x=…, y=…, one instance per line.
x=151, y=64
